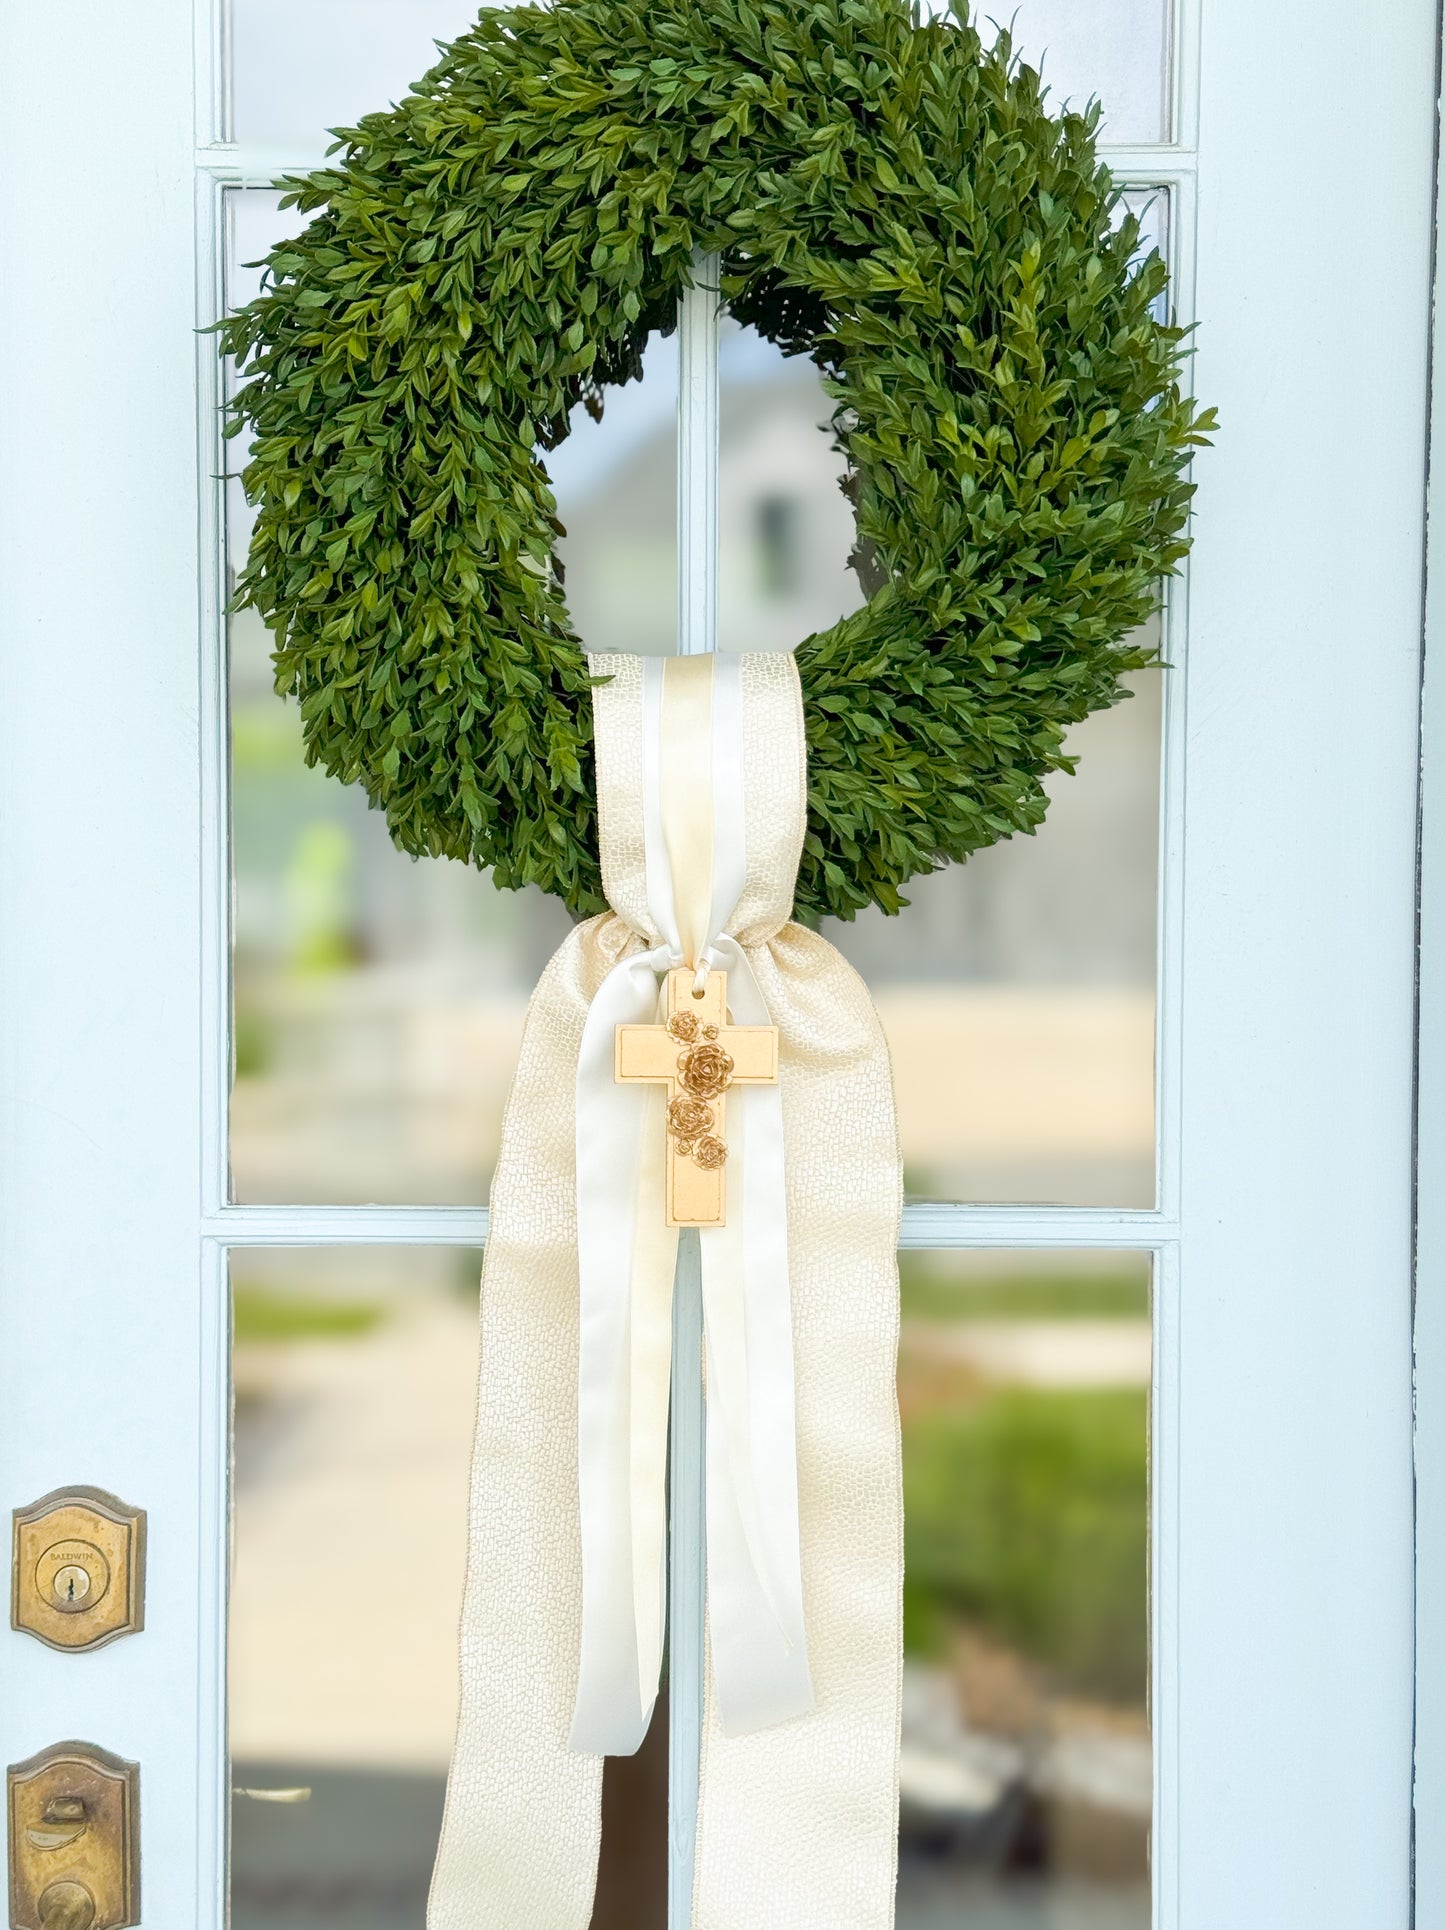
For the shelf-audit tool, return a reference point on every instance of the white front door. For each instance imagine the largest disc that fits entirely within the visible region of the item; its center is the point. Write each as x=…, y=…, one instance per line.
x=1157, y=1416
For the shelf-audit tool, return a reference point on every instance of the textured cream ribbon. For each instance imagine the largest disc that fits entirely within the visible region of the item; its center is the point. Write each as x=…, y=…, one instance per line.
x=796, y=1822
x=694, y=827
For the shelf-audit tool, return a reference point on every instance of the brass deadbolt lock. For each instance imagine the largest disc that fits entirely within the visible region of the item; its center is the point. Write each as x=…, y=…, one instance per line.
x=78, y=1576
x=74, y=1840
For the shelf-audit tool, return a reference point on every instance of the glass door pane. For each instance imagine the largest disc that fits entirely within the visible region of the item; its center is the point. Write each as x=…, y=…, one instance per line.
x=301, y=67
x=1017, y=990
x=1027, y=1769
x=379, y=1002
x=615, y=482
x=354, y=1378
x=354, y=1375
x=1118, y=51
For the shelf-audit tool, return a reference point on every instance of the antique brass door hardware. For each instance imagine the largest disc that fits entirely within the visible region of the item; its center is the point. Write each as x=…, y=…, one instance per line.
x=78, y=1569
x=74, y=1820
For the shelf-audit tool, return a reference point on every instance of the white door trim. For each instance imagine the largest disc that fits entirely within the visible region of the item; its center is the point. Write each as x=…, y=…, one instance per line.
x=1429, y=1307
x=1316, y=177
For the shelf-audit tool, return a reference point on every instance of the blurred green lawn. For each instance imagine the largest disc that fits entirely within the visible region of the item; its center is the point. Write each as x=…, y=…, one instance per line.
x=1026, y=1508
x=275, y=1313
x=1026, y=1516
x=933, y=1289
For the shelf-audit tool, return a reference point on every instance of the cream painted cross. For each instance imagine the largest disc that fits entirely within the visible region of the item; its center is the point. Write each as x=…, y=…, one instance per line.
x=697, y=1055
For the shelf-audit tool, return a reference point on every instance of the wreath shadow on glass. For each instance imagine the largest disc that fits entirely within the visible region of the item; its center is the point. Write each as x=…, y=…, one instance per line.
x=896, y=202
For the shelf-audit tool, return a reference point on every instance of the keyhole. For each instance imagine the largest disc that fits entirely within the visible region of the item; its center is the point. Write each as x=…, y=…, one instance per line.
x=72, y=1589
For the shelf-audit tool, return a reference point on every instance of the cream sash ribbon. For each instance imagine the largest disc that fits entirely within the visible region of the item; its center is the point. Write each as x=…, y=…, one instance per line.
x=700, y=771
x=694, y=842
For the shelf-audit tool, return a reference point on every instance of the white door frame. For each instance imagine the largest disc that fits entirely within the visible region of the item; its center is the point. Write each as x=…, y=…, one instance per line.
x=1296, y=1550
x=1429, y=1306
x=1302, y=166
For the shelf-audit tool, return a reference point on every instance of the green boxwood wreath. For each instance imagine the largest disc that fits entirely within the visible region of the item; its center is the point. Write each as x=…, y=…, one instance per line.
x=895, y=201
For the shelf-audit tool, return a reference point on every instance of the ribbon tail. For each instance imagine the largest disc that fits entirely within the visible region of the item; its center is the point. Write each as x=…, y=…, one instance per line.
x=626, y=1256
x=755, y=1592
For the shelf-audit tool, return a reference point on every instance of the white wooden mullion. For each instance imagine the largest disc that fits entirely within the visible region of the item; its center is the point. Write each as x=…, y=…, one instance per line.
x=1185, y=32
x=1181, y=251
x=926, y=1226
x=1164, y=1603
x=697, y=566
x=248, y=165
x=214, y=454
x=213, y=1461
x=212, y=29
x=697, y=462
x=686, y=1580
x=1429, y=1282
x=213, y=1580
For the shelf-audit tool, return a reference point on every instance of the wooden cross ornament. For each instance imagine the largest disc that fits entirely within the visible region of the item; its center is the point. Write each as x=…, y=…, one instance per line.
x=697, y=1055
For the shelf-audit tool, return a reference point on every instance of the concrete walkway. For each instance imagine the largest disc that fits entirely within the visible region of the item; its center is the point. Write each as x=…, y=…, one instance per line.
x=352, y=1462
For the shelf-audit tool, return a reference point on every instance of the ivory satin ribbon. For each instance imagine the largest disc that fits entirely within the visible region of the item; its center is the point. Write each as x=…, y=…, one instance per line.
x=701, y=802
x=694, y=831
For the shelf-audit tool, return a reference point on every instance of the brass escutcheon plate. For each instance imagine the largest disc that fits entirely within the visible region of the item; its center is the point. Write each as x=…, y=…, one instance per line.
x=74, y=1817
x=78, y=1569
